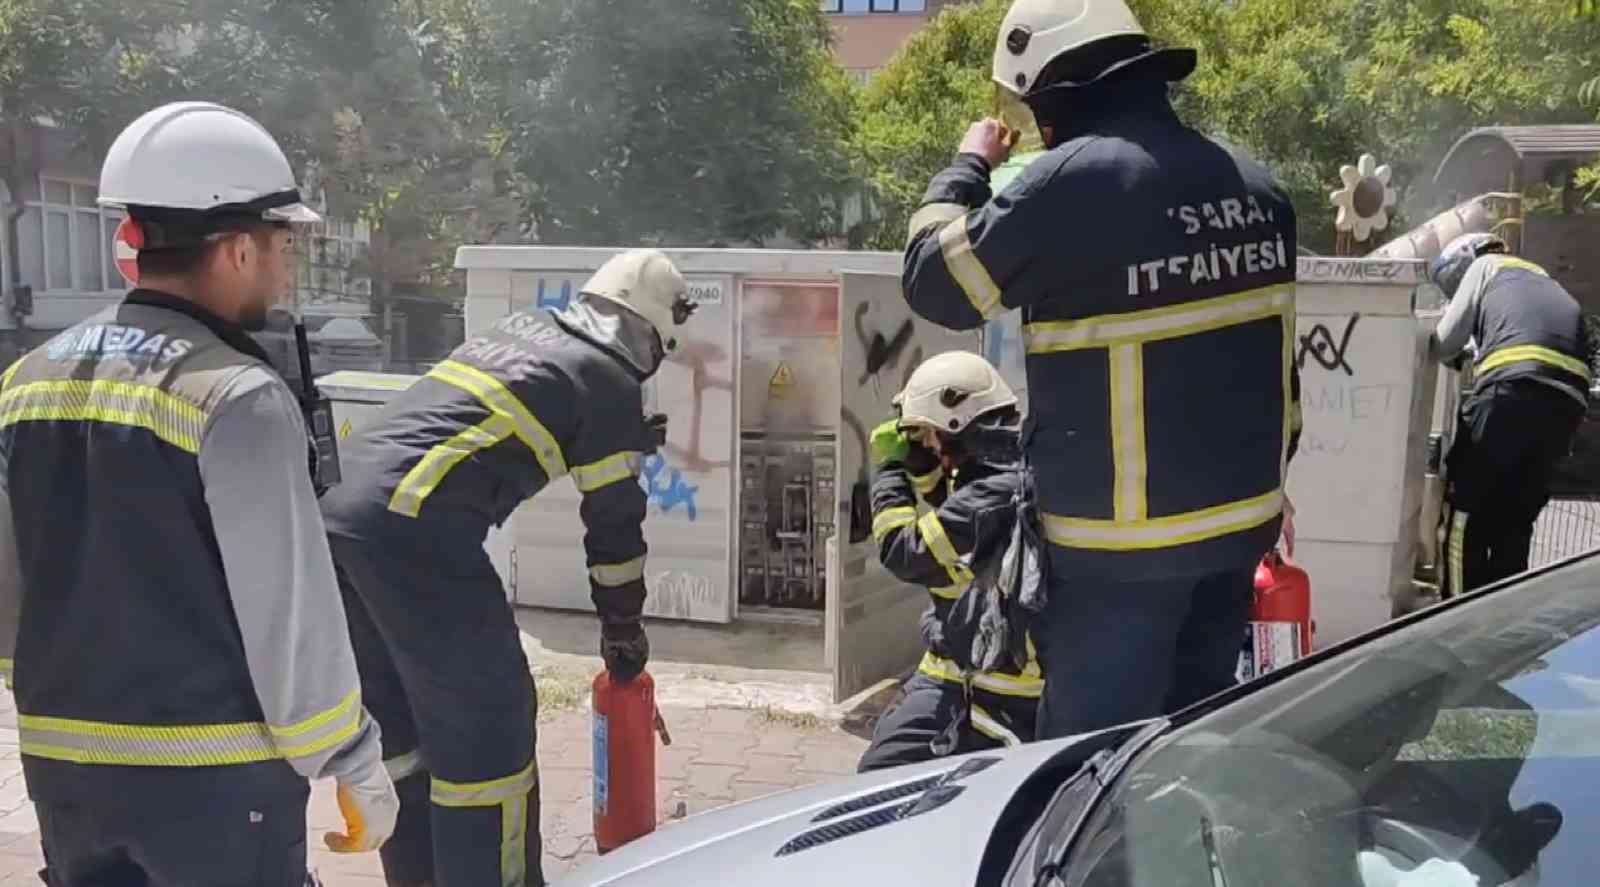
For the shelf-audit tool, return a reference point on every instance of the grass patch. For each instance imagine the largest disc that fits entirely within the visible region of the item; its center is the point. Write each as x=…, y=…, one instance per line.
x=792, y=719
x=1475, y=734
x=560, y=691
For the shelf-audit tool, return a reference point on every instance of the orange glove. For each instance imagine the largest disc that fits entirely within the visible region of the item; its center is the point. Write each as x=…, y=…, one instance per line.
x=369, y=806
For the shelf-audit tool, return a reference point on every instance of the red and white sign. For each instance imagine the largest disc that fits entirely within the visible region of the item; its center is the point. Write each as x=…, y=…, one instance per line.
x=126, y=243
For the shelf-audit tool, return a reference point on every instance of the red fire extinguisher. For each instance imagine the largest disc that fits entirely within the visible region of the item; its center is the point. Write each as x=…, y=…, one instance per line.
x=626, y=722
x=1280, y=628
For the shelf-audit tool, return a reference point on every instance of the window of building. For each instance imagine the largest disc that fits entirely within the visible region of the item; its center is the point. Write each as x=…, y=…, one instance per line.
x=65, y=240
x=833, y=5
x=899, y=5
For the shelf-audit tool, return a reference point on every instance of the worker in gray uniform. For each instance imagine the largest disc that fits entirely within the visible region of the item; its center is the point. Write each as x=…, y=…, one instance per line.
x=1524, y=334
x=539, y=395
x=174, y=628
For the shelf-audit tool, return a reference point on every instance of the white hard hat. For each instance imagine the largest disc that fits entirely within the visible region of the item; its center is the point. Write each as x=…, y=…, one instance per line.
x=1035, y=33
x=201, y=156
x=948, y=391
x=647, y=283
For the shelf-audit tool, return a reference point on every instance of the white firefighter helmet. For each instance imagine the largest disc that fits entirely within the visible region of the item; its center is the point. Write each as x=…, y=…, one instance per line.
x=645, y=282
x=948, y=391
x=1035, y=33
x=201, y=156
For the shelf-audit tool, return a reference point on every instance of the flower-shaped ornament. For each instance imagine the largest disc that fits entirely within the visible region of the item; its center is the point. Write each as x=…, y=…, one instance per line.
x=1365, y=199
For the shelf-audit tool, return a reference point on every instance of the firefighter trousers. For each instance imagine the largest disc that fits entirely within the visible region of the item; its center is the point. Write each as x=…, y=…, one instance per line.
x=905, y=731
x=1509, y=438
x=1114, y=652
x=443, y=673
x=226, y=844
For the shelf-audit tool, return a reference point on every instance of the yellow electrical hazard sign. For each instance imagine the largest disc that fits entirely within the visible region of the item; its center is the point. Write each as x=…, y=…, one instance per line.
x=345, y=429
x=782, y=379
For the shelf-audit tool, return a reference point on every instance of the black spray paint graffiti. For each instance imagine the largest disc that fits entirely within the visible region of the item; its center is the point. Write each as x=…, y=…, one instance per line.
x=882, y=352
x=1320, y=345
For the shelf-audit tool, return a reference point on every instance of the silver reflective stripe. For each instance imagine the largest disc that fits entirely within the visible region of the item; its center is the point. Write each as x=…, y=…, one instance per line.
x=617, y=575
x=408, y=764
x=132, y=745
x=322, y=731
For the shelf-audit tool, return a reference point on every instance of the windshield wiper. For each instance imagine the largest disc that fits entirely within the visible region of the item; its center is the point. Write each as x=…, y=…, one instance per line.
x=1083, y=791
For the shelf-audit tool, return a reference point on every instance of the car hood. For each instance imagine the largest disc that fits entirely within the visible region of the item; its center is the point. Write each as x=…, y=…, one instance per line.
x=925, y=823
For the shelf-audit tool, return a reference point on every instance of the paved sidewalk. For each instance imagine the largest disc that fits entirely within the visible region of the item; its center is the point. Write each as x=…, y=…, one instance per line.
x=718, y=756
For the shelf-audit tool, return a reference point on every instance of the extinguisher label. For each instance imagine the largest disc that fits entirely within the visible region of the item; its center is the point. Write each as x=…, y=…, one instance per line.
x=602, y=761
x=1268, y=646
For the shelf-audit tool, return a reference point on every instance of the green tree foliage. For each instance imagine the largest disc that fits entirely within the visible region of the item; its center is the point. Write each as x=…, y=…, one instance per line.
x=688, y=122
x=1305, y=85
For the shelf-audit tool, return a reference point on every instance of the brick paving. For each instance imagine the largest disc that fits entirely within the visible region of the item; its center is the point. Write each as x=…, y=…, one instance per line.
x=717, y=757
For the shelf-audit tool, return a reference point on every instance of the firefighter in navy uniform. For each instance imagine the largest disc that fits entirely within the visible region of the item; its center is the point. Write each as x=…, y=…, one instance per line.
x=1531, y=380
x=1154, y=268
x=954, y=443
x=539, y=395
x=182, y=666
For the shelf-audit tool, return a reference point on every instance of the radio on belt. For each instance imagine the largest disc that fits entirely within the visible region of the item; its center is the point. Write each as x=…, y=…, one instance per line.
x=318, y=411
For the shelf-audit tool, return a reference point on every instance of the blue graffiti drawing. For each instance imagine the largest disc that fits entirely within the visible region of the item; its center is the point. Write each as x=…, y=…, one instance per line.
x=546, y=296
x=666, y=487
x=994, y=341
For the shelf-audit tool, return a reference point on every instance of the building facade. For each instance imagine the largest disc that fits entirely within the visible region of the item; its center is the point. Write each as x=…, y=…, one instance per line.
x=57, y=259
x=867, y=33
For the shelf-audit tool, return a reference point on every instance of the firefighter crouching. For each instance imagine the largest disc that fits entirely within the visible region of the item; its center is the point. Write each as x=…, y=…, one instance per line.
x=539, y=395
x=1155, y=270
x=954, y=444
x=1531, y=380
x=182, y=667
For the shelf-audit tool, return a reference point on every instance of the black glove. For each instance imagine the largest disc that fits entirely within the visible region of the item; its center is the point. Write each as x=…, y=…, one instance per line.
x=920, y=460
x=625, y=650
x=655, y=432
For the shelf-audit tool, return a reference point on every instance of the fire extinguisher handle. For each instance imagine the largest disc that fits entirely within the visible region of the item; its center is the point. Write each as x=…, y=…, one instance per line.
x=661, y=728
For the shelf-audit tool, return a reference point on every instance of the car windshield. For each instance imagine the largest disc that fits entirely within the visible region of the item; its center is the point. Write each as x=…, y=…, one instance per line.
x=1463, y=749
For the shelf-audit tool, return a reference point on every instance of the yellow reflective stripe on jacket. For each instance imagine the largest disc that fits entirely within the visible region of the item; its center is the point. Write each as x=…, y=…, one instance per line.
x=927, y=483
x=8, y=667
x=1505, y=261
x=612, y=469
x=1127, y=432
x=321, y=731
x=171, y=418
x=891, y=519
x=966, y=269
x=1537, y=353
x=1156, y=324
x=1025, y=686
x=488, y=793
x=933, y=214
x=615, y=575
x=1162, y=532
x=498, y=399
x=425, y=476
x=510, y=794
x=986, y=724
x=942, y=549
x=129, y=745
x=948, y=592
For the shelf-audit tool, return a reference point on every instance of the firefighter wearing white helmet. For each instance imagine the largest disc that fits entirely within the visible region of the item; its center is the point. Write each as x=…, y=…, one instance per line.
x=540, y=395
x=1530, y=389
x=953, y=443
x=181, y=663
x=1154, y=269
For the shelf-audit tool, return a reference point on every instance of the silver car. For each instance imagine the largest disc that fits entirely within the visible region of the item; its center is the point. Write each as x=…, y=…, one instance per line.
x=1458, y=746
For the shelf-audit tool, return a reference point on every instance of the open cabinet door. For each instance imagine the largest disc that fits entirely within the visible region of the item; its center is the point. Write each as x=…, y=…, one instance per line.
x=872, y=616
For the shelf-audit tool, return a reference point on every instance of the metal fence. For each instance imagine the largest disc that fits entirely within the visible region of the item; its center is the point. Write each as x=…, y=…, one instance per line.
x=1565, y=528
